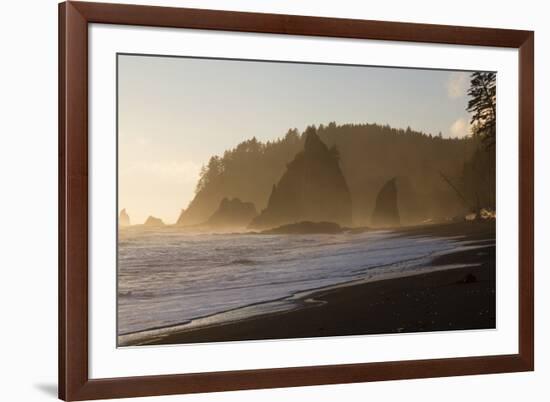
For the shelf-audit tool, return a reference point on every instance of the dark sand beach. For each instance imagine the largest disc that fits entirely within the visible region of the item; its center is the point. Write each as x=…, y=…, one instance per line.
x=451, y=299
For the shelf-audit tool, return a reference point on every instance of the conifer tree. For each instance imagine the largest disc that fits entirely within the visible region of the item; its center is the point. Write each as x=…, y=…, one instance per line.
x=482, y=104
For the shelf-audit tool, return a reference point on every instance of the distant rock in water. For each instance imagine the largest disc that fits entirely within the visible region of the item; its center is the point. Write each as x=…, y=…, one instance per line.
x=386, y=212
x=232, y=213
x=153, y=222
x=306, y=228
x=124, y=218
x=312, y=188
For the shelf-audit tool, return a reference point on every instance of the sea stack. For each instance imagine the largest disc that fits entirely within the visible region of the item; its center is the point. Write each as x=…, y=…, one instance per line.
x=312, y=188
x=232, y=213
x=124, y=218
x=386, y=212
x=153, y=222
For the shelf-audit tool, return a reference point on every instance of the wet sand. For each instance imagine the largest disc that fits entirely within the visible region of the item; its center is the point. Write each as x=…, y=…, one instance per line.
x=453, y=299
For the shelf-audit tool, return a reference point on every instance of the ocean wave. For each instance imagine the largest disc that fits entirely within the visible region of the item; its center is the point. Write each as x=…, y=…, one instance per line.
x=165, y=286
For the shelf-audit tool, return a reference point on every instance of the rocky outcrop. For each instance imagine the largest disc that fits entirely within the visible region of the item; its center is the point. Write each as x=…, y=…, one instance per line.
x=386, y=212
x=312, y=188
x=153, y=222
x=123, y=218
x=232, y=213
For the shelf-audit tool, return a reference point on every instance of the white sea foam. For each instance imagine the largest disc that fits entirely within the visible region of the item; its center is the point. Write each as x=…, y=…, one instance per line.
x=169, y=280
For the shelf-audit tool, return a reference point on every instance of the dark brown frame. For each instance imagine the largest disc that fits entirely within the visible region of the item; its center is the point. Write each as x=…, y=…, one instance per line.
x=74, y=382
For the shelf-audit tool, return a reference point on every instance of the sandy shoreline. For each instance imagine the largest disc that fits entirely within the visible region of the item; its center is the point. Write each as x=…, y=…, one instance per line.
x=452, y=299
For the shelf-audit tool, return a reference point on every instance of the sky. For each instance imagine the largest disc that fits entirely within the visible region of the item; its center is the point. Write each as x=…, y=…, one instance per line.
x=175, y=113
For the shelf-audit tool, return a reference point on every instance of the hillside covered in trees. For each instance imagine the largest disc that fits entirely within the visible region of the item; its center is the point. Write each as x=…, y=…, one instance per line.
x=369, y=155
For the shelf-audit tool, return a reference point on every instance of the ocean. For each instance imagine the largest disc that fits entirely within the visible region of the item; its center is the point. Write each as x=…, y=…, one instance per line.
x=169, y=279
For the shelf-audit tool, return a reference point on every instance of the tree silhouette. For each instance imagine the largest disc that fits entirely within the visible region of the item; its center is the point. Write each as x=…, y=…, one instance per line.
x=482, y=103
x=479, y=171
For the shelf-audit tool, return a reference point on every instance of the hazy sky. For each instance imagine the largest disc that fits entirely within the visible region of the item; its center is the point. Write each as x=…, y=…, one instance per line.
x=174, y=113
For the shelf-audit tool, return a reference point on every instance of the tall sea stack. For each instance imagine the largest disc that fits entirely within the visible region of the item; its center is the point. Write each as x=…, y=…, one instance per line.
x=312, y=188
x=124, y=218
x=386, y=212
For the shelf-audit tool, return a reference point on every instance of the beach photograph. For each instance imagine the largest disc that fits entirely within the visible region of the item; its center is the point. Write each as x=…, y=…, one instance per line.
x=266, y=200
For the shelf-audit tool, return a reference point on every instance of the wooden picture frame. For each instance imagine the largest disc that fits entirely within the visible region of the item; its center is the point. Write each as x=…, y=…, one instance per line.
x=74, y=381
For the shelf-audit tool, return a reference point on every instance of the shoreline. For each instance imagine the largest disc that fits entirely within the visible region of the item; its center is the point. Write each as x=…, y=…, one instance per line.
x=419, y=302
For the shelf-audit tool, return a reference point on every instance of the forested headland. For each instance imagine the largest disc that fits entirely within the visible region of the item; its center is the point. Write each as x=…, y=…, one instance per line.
x=436, y=178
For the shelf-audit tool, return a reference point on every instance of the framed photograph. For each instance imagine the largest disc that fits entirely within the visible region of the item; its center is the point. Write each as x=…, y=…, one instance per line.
x=259, y=200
